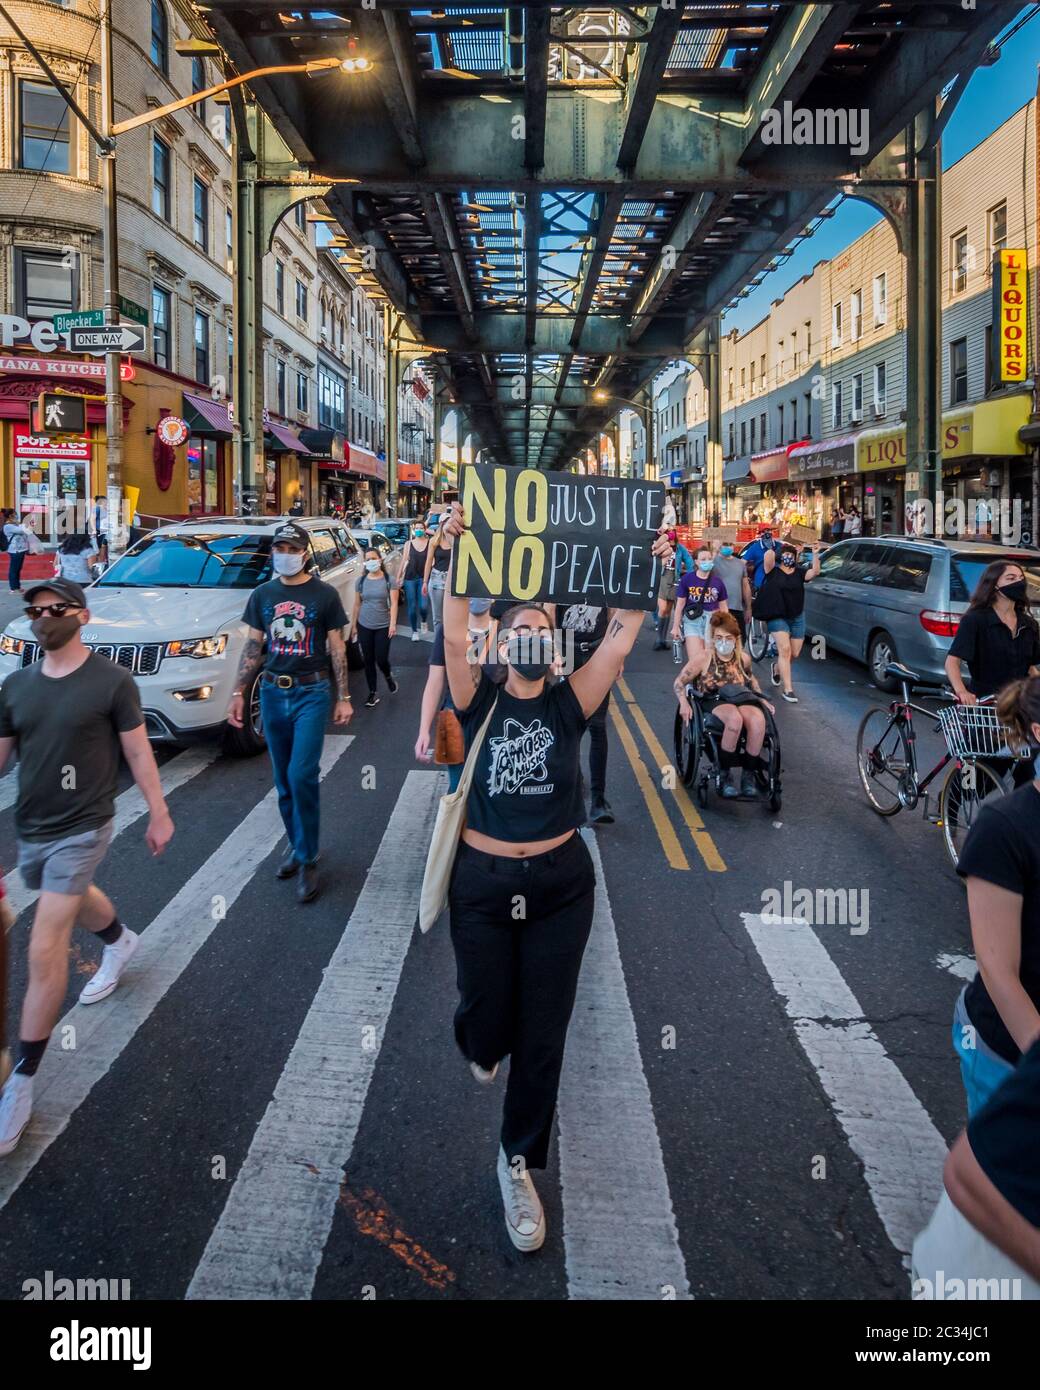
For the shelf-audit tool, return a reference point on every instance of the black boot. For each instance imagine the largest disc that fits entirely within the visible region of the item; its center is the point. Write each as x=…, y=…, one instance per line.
x=600, y=812
x=307, y=888
x=662, y=634
x=289, y=865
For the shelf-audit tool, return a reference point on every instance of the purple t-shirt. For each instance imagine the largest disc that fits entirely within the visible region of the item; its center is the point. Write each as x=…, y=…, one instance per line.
x=696, y=592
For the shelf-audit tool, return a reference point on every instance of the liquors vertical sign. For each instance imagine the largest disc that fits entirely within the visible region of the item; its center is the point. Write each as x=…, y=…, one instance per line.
x=1010, y=353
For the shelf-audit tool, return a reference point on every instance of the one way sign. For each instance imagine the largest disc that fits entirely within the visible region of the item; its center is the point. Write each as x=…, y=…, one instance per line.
x=121, y=337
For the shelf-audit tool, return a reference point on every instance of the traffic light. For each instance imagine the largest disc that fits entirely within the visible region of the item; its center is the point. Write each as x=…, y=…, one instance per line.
x=55, y=413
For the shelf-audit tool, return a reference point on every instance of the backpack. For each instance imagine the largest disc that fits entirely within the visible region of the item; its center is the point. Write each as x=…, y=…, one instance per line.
x=5, y=539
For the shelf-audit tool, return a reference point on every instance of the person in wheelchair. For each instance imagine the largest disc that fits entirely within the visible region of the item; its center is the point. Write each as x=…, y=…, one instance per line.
x=722, y=679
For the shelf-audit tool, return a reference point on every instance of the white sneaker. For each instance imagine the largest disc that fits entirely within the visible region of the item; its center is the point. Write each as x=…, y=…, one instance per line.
x=525, y=1219
x=15, y=1109
x=415, y=635
x=113, y=963
x=484, y=1077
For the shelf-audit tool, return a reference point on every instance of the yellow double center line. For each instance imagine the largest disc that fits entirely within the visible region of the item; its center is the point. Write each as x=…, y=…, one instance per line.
x=670, y=842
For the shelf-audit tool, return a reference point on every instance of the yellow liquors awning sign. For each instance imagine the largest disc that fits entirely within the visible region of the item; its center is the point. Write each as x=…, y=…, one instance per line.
x=876, y=449
x=1010, y=296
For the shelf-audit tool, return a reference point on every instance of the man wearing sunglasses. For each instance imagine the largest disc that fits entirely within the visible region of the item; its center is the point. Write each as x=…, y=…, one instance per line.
x=68, y=718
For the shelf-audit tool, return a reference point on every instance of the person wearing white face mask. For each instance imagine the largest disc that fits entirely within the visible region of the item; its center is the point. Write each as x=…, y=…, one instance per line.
x=375, y=618
x=301, y=619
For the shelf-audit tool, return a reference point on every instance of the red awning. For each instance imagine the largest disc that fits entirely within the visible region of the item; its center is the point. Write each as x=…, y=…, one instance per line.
x=204, y=415
x=769, y=468
x=291, y=441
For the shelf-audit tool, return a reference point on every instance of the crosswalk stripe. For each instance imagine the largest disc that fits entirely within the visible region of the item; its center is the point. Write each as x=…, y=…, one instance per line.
x=130, y=806
x=271, y=1234
x=619, y=1231
x=963, y=967
x=888, y=1128
x=167, y=947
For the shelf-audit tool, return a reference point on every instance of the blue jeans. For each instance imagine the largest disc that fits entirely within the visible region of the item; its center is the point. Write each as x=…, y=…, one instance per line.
x=294, y=723
x=982, y=1071
x=417, y=605
x=16, y=560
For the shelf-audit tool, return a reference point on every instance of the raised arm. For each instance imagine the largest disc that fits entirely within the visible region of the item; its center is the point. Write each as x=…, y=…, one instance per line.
x=814, y=568
x=463, y=673
x=769, y=560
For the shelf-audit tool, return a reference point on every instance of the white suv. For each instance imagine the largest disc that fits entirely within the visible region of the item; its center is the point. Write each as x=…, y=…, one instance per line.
x=170, y=610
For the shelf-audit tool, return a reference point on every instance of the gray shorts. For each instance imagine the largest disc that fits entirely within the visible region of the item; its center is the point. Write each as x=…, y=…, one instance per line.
x=64, y=866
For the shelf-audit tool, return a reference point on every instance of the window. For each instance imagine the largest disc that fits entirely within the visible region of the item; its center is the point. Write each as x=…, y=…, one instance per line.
x=301, y=391
x=743, y=381
x=959, y=261
x=754, y=446
x=160, y=179
x=231, y=355
x=762, y=429
x=45, y=284
x=880, y=298
x=780, y=419
x=332, y=399
x=753, y=364
x=836, y=404
x=836, y=324
x=731, y=449
x=229, y=234
x=857, y=315
x=991, y=383
x=762, y=370
x=279, y=287
x=794, y=349
x=857, y=396
x=301, y=300
x=161, y=343
x=160, y=38
x=866, y=563
x=808, y=414
x=300, y=215
x=794, y=422
x=198, y=84
x=808, y=339
x=997, y=229
x=44, y=129
x=958, y=371
x=908, y=570
x=730, y=382
x=779, y=359
x=279, y=374
x=200, y=206
x=201, y=347
x=743, y=437
x=203, y=475
x=325, y=550
x=880, y=389
x=228, y=127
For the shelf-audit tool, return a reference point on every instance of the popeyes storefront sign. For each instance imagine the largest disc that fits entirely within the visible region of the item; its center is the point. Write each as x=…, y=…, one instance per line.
x=1009, y=315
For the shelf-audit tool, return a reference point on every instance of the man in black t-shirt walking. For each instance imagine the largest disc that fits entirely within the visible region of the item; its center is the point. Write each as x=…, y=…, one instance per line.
x=68, y=717
x=588, y=626
x=301, y=621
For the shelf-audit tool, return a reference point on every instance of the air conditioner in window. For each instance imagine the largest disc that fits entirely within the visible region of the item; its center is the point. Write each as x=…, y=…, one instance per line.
x=879, y=410
x=855, y=417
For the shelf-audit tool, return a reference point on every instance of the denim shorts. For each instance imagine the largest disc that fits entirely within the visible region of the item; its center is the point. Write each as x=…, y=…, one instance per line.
x=64, y=866
x=795, y=626
x=982, y=1069
x=696, y=627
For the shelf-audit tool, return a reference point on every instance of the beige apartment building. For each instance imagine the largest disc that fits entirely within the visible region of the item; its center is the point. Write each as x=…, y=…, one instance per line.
x=175, y=224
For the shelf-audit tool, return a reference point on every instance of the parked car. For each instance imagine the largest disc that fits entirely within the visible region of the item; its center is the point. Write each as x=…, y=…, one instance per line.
x=900, y=598
x=376, y=540
x=396, y=531
x=170, y=611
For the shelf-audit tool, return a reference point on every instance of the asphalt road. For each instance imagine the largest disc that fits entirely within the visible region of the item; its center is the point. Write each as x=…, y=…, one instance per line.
x=272, y=1104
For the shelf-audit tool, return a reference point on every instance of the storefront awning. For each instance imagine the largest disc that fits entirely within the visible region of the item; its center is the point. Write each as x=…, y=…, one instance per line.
x=414, y=475
x=990, y=429
x=832, y=459
x=736, y=471
x=282, y=440
x=325, y=444
x=770, y=467
x=203, y=415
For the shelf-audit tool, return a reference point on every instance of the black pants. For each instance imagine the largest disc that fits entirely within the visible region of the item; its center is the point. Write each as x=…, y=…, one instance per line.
x=598, y=748
x=375, y=648
x=519, y=928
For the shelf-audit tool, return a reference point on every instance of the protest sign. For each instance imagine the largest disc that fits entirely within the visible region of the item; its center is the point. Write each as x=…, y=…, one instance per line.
x=557, y=537
x=804, y=535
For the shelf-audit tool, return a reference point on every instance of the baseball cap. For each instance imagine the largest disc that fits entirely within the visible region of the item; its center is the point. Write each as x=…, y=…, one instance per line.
x=65, y=587
x=291, y=534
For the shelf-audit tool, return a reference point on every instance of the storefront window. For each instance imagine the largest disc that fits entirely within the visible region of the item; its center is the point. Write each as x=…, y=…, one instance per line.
x=203, y=476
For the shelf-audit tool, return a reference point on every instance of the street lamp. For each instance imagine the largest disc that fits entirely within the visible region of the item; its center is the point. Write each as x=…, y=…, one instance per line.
x=645, y=410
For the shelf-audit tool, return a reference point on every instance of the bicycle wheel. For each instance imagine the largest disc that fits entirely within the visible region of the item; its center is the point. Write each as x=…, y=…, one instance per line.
x=966, y=787
x=758, y=639
x=688, y=744
x=883, y=758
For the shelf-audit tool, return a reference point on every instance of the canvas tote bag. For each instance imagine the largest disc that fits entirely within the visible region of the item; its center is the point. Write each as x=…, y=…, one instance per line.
x=444, y=843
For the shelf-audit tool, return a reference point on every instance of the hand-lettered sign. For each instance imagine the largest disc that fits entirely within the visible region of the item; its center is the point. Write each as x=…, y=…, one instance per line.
x=557, y=537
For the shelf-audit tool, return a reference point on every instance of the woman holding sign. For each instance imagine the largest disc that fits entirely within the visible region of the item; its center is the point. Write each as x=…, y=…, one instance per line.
x=523, y=884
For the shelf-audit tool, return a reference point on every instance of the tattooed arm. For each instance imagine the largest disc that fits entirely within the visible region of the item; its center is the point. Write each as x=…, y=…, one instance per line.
x=338, y=654
x=249, y=664
x=464, y=673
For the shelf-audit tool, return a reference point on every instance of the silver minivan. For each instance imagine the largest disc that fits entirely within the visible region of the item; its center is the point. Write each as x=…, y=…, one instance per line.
x=900, y=598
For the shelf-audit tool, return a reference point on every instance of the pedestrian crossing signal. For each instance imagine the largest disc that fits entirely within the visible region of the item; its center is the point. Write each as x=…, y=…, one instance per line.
x=54, y=413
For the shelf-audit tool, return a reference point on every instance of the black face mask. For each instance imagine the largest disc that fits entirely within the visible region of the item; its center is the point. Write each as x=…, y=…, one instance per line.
x=55, y=633
x=530, y=657
x=1015, y=591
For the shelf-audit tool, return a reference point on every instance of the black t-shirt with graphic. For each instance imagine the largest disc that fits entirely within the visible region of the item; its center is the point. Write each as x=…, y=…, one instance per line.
x=589, y=626
x=296, y=620
x=527, y=780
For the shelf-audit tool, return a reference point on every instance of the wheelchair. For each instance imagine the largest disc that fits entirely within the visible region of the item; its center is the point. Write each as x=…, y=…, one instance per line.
x=698, y=745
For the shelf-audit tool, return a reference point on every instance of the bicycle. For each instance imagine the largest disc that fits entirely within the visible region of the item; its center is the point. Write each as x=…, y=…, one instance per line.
x=886, y=756
x=758, y=642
